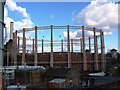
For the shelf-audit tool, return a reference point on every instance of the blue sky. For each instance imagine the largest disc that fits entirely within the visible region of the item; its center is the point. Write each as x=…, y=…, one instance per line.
x=41, y=12
x=61, y=13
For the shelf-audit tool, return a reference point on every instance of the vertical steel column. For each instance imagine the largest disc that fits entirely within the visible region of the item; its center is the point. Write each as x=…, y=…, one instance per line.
x=69, y=54
x=71, y=45
x=23, y=47
x=62, y=45
x=15, y=51
x=84, y=53
x=103, y=59
x=90, y=44
x=97, y=53
x=35, y=58
x=42, y=46
x=51, y=54
x=81, y=44
x=95, y=50
x=104, y=68
x=18, y=45
x=33, y=46
x=2, y=25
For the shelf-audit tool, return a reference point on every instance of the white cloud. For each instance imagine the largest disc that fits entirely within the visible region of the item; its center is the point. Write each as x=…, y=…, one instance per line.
x=5, y=12
x=26, y=23
x=52, y=16
x=23, y=23
x=13, y=7
x=100, y=15
x=73, y=35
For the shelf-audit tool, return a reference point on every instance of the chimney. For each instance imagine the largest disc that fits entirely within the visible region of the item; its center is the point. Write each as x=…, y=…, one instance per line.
x=11, y=30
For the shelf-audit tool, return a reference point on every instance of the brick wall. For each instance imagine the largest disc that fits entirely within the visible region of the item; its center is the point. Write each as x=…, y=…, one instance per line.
x=61, y=59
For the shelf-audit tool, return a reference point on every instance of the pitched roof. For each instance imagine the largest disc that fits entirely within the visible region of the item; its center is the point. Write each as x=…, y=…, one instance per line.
x=57, y=72
x=57, y=80
x=113, y=49
x=87, y=50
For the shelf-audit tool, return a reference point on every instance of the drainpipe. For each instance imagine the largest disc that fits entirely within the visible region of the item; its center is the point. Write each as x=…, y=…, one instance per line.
x=2, y=25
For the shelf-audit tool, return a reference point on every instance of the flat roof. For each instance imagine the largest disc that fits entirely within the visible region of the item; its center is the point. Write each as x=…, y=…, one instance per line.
x=104, y=80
